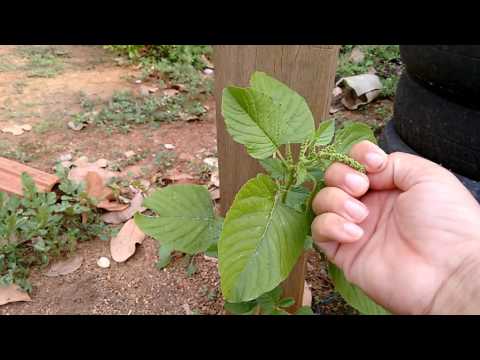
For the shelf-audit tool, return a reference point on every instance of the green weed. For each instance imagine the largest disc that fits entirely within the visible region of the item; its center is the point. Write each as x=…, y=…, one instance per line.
x=41, y=226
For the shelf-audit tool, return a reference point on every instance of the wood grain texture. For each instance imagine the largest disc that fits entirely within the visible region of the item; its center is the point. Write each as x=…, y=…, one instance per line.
x=309, y=70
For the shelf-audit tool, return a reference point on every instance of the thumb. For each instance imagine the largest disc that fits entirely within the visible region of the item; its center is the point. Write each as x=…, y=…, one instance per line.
x=399, y=170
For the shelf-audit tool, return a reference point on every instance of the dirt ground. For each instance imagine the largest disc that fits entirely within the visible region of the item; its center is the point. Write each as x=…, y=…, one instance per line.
x=137, y=286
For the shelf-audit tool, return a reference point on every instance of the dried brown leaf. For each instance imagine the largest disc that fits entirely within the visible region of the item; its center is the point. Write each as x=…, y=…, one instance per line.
x=122, y=246
x=65, y=267
x=12, y=293
x=119, y=217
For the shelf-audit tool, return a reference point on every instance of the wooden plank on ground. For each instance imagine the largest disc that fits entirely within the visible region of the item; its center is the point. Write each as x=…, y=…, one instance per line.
x=10, y=177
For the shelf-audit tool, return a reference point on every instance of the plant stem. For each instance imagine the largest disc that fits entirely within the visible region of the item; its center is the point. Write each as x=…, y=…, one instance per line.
x=289, y=184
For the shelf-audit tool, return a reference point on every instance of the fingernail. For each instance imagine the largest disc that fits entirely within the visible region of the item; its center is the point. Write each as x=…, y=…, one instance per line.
x=353, y=231
x=375, y=160
x=355, y=182
x=357, y=211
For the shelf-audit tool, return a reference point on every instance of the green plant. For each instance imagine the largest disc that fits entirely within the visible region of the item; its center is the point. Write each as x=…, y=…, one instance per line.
x=268, y=225
x=179, y=64
x=40, y=226
x=42, y=61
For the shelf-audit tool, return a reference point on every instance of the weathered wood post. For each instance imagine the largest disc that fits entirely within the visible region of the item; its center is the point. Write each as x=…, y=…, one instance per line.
x=309, y=70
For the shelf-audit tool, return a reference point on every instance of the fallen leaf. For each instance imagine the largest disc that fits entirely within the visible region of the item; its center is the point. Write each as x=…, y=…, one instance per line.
x=307, y=295
x=119, y=217
x=129, y=154
x=26, y=127
x=211, y=161
x=75, y=127
x=170, y=92
x=122, y=246
x=81, y=161
x=169, y=146
x=103, y=163
x=14, y=130
x=207, y=62
x=65, y=267
x=215, y=179
x=111, y=205
x=178, y=178
x=94, y=185
x=356, y=56
x=79, y=173
x=12, y=293
x=215, y=194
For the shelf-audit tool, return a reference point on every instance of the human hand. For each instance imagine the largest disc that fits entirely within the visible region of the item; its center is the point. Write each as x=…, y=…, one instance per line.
x=407, y=232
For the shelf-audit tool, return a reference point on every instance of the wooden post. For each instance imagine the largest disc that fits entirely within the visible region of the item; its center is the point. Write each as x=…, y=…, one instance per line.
x=309, y=70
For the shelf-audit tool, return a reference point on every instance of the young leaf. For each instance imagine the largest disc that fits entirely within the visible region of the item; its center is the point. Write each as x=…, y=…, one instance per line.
x=297, y=197
x=350, y=134
x=353, y=295
x=261, y=240
x=252, y=120
x=28, y=186
x=295, y=113
x=287, y=302
x=186, y=223
x=164, y=256
x=305, y=310
x=308, y=243
x=274, y=167
x=324, y=133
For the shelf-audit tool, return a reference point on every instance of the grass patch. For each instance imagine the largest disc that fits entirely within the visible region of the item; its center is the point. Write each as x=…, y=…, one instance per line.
x=125, y=110
x=385, y=59
x=43, y=61
x=172, y=64
x=23, y=152
x=42, y=226
x=6, y=65
x=51, y=122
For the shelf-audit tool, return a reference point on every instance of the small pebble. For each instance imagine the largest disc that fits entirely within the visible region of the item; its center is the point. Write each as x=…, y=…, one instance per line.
x=103, y=262
x=129, y=154
x=208, y=71
x=169, y=146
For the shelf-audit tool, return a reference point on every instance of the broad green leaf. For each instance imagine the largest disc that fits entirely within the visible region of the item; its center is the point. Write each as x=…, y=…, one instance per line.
x=295, y=115
x=186, y=220
x=240, y=308
x=252, y=120
x=164, y=256
x=275, y=168
x=305, y=310
x=353, y=295
x=350, y=134
x=324, y=133
x=261, y=240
